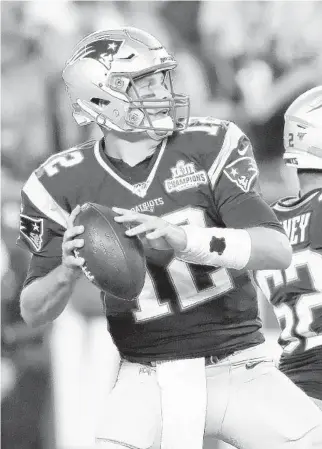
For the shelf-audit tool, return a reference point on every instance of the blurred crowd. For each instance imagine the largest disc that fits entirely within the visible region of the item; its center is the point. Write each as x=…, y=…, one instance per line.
x=242, y=61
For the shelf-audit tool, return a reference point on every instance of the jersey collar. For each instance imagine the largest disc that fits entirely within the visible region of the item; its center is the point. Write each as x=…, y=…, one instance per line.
x=139, y=189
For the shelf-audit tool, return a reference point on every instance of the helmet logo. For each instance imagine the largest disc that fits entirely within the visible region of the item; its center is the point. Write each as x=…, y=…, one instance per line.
x=102, y=50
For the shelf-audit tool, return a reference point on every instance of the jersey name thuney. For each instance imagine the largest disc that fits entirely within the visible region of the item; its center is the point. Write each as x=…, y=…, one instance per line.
x=297, y=227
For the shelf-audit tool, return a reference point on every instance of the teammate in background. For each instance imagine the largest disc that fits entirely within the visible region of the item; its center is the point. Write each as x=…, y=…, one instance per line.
x=296, y=293
x=193, y=359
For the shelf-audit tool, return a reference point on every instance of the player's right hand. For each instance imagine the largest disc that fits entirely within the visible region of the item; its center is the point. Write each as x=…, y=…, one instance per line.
x=72, y=243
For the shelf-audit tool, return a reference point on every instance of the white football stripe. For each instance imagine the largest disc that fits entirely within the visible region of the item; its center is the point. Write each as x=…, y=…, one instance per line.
x=42, y=199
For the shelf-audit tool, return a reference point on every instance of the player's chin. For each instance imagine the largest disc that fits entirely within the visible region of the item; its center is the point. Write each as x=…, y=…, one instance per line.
x=163, y=124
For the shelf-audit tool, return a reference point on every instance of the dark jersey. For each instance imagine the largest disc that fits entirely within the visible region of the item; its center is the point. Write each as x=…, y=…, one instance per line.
x=206, y=176
x=296, y=293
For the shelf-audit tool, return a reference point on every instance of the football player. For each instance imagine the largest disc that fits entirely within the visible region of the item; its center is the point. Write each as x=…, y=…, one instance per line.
x=296, y=293
x=193, y=358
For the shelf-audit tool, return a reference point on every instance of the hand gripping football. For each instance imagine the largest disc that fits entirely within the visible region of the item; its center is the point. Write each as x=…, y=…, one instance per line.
x=114, y=262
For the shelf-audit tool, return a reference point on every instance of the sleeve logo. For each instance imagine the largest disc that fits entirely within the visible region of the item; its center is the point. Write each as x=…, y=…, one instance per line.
x=33, y=230
x=242, y=172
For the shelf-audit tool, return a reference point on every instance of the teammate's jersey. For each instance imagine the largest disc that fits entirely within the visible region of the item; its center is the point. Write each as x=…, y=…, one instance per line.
x=296, y=293
x=206, y=176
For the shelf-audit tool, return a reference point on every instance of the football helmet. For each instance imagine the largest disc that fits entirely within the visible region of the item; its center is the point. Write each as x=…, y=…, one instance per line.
x=102, y=73
x=303, y=131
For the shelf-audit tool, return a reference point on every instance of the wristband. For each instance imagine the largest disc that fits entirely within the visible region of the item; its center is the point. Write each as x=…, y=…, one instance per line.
x=229, y=248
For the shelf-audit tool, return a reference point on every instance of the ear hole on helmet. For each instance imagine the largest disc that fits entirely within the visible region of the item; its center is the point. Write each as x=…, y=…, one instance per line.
x=100, y=102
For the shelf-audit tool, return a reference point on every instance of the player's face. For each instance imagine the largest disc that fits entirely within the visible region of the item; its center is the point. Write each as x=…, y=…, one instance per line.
x=151, y=87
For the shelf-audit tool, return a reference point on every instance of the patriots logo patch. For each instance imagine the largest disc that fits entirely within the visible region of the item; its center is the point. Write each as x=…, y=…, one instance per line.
x=33, y=230
x=242, y=172
x=102, y=50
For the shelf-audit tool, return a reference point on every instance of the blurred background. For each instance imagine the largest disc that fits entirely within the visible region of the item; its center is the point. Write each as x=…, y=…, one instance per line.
x=242, y=61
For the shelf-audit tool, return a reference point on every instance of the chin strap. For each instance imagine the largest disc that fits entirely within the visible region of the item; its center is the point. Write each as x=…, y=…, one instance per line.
x=165, y=122
x=97, y=118
x=100, y=120
x=158, y=135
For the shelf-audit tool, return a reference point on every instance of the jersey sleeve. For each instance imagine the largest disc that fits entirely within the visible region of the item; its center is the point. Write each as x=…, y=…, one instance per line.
x=42, y=225
x=40, y=266
x=316, y=227
x=234, y=180
x=47, y=199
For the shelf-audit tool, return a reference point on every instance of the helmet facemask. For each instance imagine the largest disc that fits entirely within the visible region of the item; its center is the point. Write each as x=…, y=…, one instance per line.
x=142, y=111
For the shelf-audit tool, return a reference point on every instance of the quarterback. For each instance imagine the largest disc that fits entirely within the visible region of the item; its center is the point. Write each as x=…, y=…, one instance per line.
x=192, y=350
x=296, y=293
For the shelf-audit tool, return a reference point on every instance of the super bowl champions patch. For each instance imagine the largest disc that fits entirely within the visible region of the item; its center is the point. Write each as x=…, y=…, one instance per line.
x=184, y=176
x=242, y=172
x=33, y=230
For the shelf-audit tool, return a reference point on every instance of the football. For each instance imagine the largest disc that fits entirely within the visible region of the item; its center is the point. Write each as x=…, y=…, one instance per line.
x=114, y=262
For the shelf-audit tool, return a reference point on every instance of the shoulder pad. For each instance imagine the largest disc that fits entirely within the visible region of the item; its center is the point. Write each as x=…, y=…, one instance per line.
x=53, y=187
x=64, y=159
x=289, y=203
x=286, y=201
x=202, y=140
x=318, y=197
x=206, y=124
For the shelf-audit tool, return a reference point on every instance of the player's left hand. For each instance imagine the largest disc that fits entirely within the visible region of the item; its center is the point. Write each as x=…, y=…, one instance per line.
x=160, y=233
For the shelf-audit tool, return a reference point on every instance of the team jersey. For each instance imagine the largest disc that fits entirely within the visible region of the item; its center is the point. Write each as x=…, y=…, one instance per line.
x=205, y=176
x=296, y=293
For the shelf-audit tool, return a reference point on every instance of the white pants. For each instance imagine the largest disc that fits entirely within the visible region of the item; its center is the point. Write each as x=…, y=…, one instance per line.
x=249, y=405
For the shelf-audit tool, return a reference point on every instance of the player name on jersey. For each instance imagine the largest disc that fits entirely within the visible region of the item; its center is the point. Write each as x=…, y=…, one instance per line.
x=297, y=228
